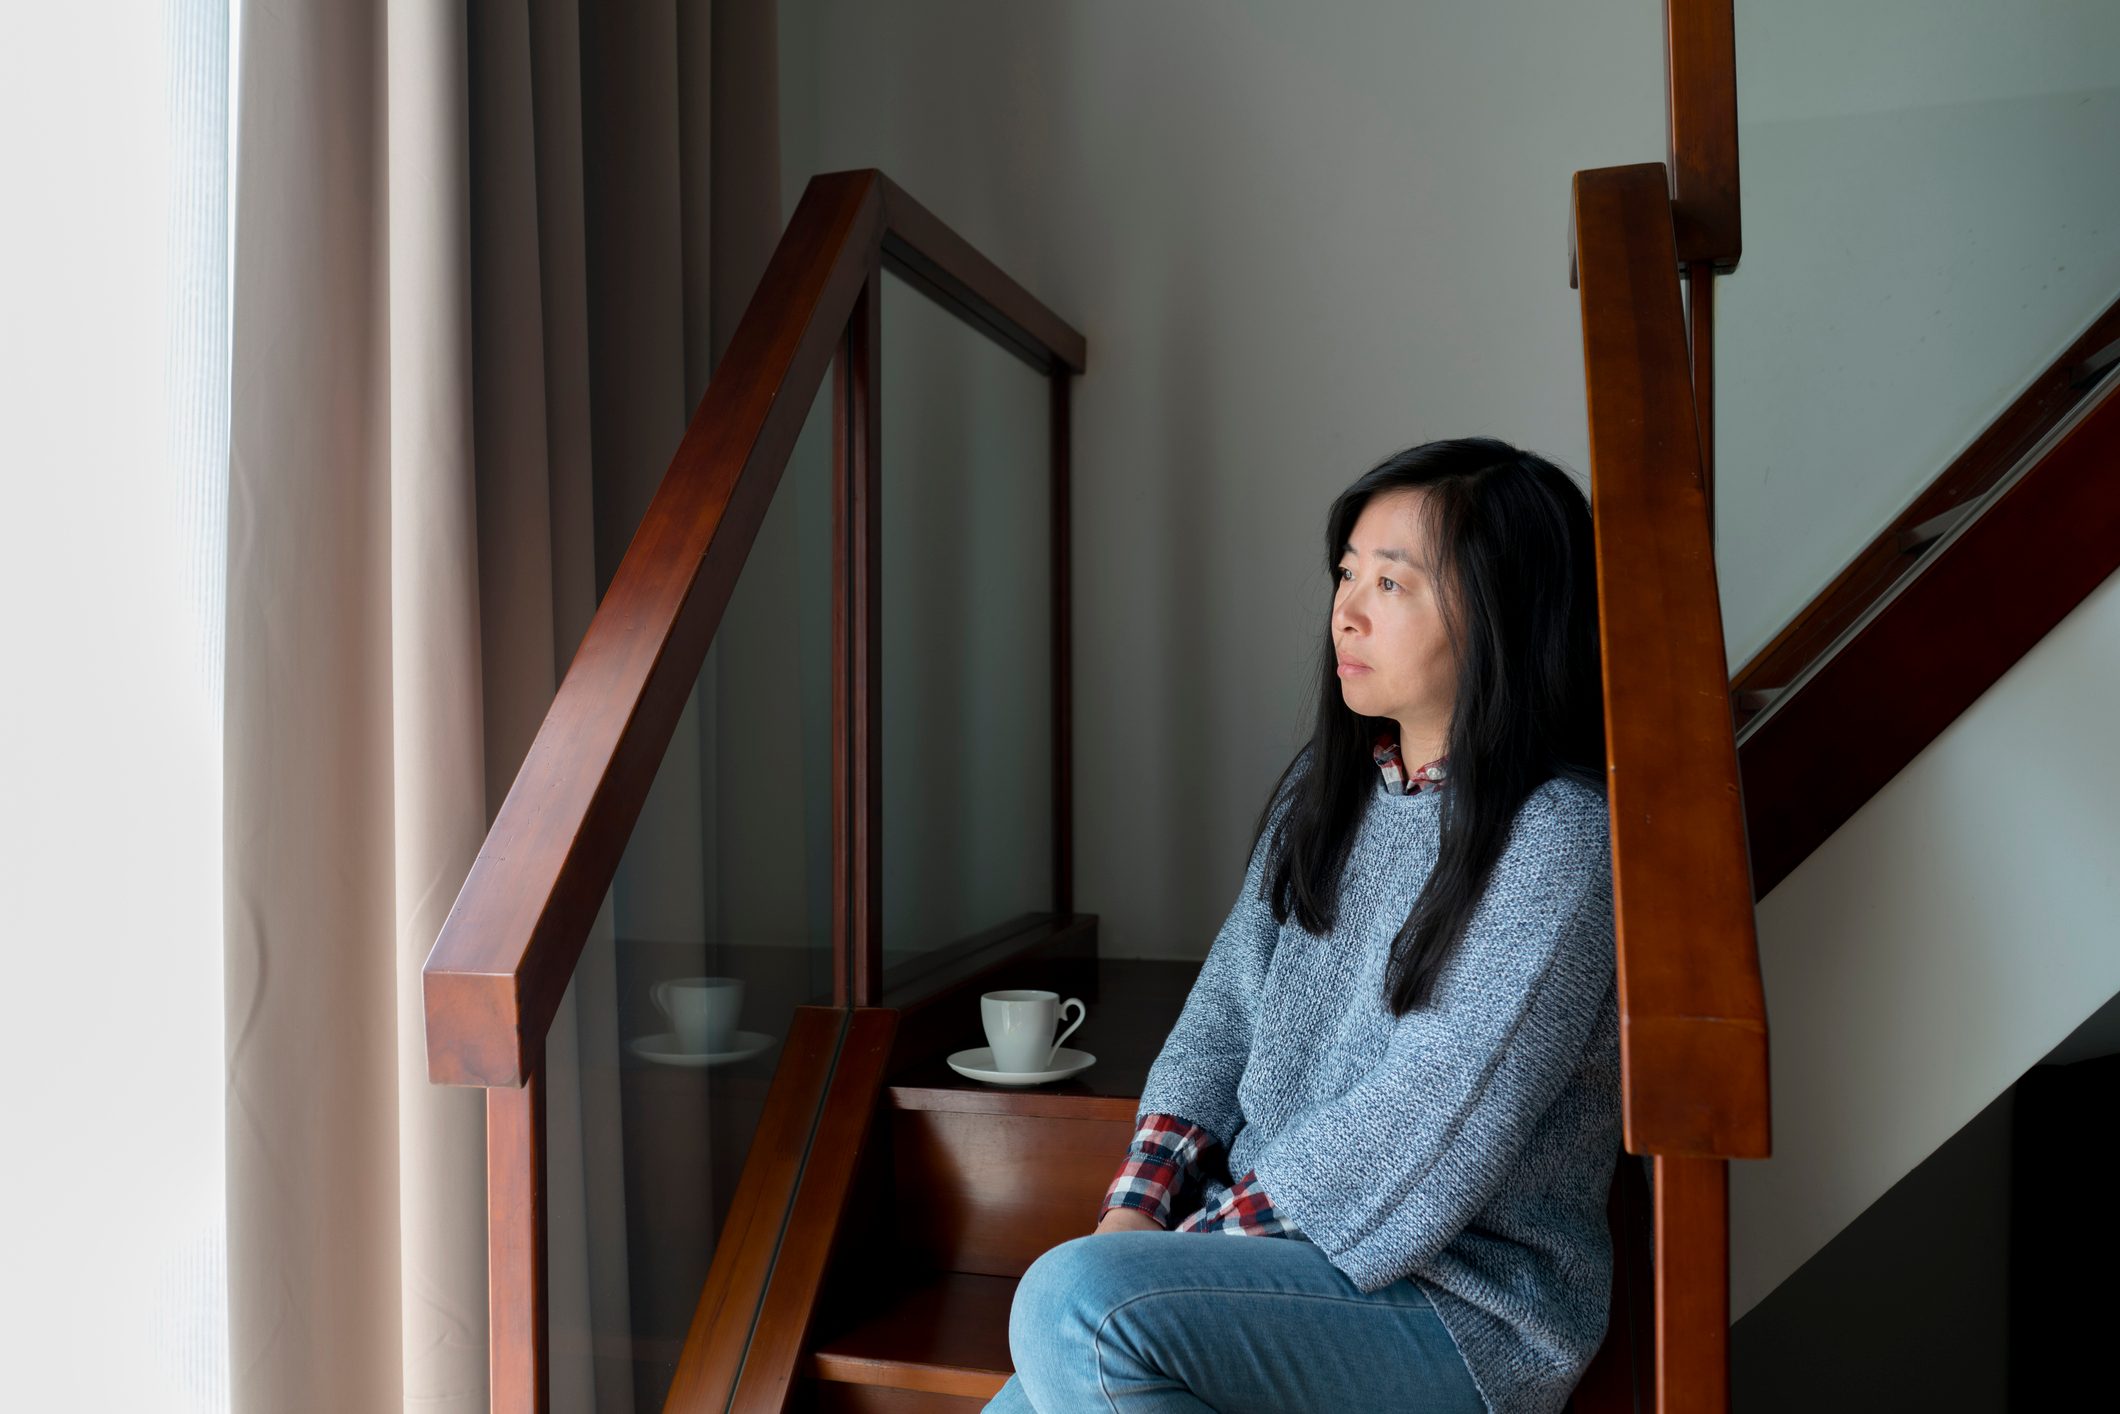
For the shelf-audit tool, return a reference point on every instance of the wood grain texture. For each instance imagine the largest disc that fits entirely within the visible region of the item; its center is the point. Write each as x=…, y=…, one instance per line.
x=519, y=1356
x=516, y=930
x=943, y=1332
x=872, y=1232
x=744, y=1257
x=825, y=1192
x=1948, y=634
x=834, y=1397
x=1692, y=1206
x=857, y=652
x=1700, y=320
x=997, y=1189
x=496, y=973
x=500, y=966
x=1061, y=515
x=1693, y=1036
x=1700, y=72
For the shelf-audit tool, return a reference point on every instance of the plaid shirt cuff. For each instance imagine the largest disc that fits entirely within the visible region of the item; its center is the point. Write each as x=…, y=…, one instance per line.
x=1159, y=1168
x=1246, y=1211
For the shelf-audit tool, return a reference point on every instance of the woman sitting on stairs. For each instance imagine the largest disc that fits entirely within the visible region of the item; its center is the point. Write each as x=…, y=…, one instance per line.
x=1405, y=1037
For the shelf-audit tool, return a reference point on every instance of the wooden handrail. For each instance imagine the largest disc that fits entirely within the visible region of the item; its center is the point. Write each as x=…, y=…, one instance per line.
x=1700, y=86
x=1700, y=82
x=494, y=978
x=1924, y=646
x=2047, y=402
x=1693, y=1014
x=496, y=974
x=1693, y=1026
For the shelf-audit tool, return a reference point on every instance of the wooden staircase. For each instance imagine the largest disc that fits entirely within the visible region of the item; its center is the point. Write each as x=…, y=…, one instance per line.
x=887, y=1207
x=868, y=1256
x=868, y=1253
x=963, y=1185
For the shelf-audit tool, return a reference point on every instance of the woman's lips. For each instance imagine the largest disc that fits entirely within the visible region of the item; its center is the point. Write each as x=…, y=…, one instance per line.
x=1349, y=667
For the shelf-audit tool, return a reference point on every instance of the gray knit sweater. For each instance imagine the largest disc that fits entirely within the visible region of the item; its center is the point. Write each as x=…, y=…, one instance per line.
x=1467, y=1146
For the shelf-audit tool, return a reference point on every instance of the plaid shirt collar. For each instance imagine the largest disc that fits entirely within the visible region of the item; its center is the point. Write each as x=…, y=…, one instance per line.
x=1429, y=775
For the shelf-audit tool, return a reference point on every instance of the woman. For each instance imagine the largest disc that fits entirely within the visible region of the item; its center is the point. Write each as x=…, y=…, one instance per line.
x=1405, y=1037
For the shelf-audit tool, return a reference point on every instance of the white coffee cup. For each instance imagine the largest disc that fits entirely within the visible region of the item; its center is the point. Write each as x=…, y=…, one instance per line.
x=702, y=1011
x=1019, y=1026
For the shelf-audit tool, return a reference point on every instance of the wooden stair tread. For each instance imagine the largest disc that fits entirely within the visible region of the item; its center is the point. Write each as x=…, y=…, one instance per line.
x=938, y=1333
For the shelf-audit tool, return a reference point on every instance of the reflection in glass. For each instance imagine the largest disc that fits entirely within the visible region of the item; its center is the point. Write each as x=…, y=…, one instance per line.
x=967, y=632
x=717, y=926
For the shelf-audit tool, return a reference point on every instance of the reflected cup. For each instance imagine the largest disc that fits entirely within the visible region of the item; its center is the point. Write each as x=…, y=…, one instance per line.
x=702, y=1011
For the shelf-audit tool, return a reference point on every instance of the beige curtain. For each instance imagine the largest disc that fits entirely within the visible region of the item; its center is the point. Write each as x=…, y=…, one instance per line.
x=473, y=307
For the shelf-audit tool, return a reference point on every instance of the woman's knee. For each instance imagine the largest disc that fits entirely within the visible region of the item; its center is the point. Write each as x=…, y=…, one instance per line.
x=1060, y=1300
x=1051, y=1286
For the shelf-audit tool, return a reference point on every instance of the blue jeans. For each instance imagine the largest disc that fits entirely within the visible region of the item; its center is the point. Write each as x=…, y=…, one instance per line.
x=1189, y=1321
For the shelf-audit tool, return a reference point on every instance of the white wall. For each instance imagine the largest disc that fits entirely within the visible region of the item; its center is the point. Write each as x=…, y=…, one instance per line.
x=1943, y=941
x=1297, y=238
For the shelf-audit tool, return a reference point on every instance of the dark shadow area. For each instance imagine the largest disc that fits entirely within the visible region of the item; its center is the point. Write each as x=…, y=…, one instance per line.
x=1980, y=1281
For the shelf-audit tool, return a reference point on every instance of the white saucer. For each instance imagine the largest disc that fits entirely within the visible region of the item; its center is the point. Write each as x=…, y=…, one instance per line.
x=662, y=1049
x=978, y=1064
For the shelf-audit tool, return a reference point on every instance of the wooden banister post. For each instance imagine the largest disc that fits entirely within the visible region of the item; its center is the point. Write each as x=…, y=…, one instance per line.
x=517, y=1291
x=857, y=645
x=1692, y=1245
x=1700, y=72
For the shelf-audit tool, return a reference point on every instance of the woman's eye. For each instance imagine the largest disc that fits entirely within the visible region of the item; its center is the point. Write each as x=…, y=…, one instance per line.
x=1392, y=582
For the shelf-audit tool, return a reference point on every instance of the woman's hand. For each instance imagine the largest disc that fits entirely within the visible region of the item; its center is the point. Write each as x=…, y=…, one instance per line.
x=1123, y=1219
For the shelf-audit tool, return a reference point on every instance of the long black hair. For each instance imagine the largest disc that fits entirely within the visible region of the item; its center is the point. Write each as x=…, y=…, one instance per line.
x=1517, y=580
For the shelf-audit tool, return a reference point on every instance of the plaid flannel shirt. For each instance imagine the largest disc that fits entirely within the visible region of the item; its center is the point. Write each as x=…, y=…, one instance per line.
x=1170, y=1155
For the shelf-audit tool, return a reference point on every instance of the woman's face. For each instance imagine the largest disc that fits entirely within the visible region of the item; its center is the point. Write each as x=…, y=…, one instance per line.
x=1387, y=626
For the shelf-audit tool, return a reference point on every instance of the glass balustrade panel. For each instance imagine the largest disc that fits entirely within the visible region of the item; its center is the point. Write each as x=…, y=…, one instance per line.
x=717, y=926
x=967, y=602
x=1931, y=216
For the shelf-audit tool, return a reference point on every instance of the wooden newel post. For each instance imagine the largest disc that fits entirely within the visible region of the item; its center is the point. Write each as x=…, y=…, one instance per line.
x=1692, y=1244
x=517, y=1295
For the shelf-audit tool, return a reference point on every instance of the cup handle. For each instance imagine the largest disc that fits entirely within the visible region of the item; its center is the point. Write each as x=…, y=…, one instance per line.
x=655, y=995
x=1082, y=1012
